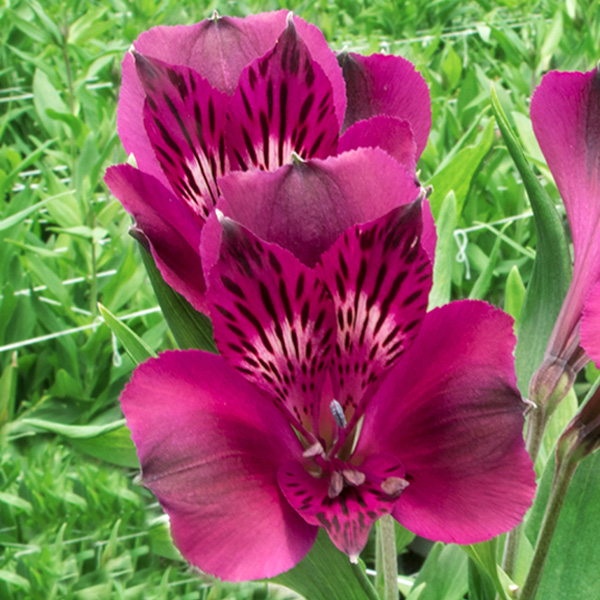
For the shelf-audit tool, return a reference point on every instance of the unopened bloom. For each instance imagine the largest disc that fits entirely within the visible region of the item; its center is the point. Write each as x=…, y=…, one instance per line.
x=336, y=399
x=581, y=437
x=231, y=94
x=565, y=112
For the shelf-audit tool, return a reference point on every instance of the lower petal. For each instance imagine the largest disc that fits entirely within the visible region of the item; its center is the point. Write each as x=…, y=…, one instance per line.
x=346, y=500
x=452, y=414
x=210, y=446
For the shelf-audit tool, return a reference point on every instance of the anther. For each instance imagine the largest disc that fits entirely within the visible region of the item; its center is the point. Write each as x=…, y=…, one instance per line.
x=352, y=477
x=315, y=450
x=336, y=484
x=338, y=413
x=394, y=486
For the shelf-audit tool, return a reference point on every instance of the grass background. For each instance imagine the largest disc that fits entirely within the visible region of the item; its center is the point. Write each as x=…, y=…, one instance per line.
x=73, y=521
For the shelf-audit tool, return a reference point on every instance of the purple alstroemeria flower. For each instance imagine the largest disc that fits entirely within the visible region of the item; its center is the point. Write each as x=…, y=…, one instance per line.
x=565, y=112
x=227, y=94
x=336, y=399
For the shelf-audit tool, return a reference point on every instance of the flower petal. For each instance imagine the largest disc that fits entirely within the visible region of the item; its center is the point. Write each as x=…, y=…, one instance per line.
x=273, y=321
x=210, y=446
x=201, y=47
x=348, y=508
x=219, y=49
x=450, y=411
x=386, y=85
x=565, y=112
x=185, y=120
x=323, y=55
x=169, y=225
x=379, y=277
x=590, y=325
x=306, y=207
x=283, y=104
x=391, y=134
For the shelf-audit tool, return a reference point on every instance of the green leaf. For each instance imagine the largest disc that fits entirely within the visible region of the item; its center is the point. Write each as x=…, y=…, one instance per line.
x=561, y=416
x=443, y=575
x=190, y=328
x=73, y=431
x=514, y=294
x=452, y=67
x=457, y=174
x=45, y=96
x=16, y=502
x=484, y=557
x=9, y=179
x=8, y=390
x=551, y=270
x=161, y=542
x=134, y=345
x=551, y=41
x=445, y=252
x=114, y=447
x=480, y=585
x=403, y=537
x=14, y=580
x=22, y=214
x=482, y=285
x=571, y=569
x=327, y=574
x=74, y=124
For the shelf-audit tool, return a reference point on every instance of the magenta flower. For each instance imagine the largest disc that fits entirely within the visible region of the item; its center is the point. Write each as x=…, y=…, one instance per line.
x=336, y=399
x=565, y=111
x=231, y=94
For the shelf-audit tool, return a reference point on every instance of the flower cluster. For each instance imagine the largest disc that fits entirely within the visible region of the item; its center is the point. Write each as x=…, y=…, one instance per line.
x=235, y=95
x=277, y=192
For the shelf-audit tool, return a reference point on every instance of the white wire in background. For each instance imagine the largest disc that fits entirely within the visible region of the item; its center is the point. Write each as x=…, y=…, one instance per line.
x=57, y=334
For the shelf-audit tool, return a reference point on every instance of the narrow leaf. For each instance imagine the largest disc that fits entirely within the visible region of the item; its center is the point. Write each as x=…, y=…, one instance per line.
x=443, y=575
x=484, y=557
x=571, y=569
x=22, y=215
x=327, y=574
x=8, y=390
x=190, y=328
x=73, y=431
x=114, y=447
x=134, y=345
x=457, y=174
x=482, y=285
x=551, y=270
x=514, y=294
x=445, y=253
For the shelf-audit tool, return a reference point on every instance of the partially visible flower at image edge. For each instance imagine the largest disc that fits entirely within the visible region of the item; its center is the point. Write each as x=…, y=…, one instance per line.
x=231, y=95
x=565, y=113
x=336, y=399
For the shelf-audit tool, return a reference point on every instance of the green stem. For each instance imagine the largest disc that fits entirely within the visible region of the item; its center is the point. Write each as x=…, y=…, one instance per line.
x=560, y=485
x=364, y=582
x=389, y=557
x=379, y=578
x=94, y=265
x=535, y=434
